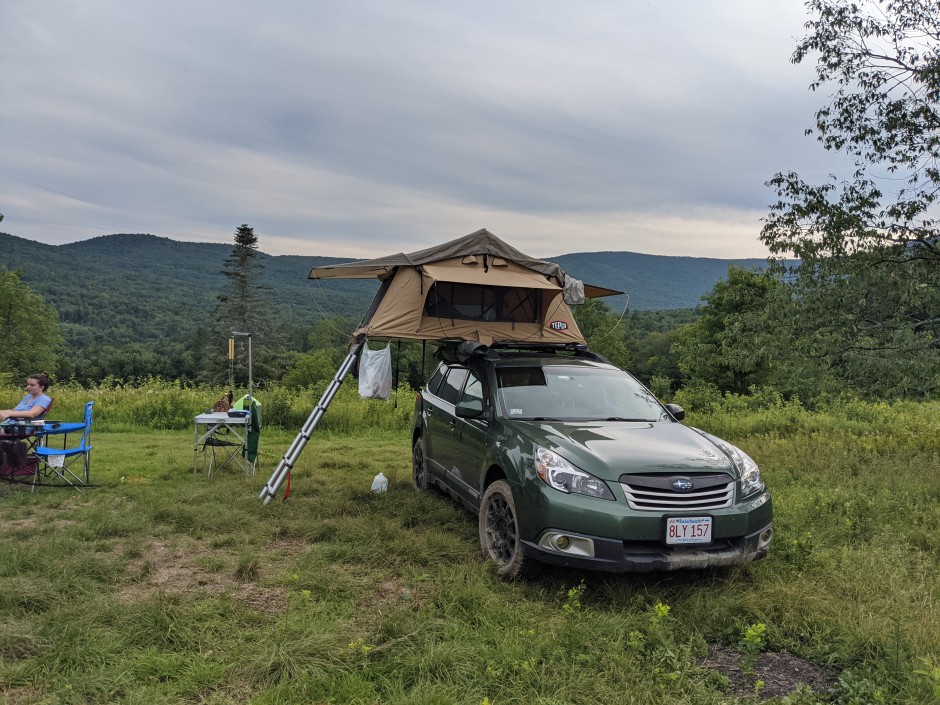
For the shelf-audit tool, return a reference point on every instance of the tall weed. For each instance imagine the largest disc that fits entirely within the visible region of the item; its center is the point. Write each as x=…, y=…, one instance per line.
x=159, y=404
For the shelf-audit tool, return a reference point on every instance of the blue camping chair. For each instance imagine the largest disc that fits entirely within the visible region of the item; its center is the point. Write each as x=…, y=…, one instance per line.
x=69, y=464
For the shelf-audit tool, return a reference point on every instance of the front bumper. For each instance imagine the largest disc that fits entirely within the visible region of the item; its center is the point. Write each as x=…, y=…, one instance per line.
x=609, y=555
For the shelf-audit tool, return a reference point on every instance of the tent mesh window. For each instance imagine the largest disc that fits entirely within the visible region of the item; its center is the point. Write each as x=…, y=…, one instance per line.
x=473, y=302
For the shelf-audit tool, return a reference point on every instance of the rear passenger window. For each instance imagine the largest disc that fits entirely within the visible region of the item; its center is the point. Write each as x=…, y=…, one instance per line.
x=436, y=379
x=450, y=390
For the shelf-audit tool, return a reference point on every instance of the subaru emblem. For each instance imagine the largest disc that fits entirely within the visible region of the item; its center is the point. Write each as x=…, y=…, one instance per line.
x=682, y=484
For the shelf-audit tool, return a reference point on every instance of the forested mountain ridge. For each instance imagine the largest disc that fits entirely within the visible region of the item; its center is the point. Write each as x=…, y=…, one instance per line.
x=147, y=266
x=654, y=282
x=116, y=291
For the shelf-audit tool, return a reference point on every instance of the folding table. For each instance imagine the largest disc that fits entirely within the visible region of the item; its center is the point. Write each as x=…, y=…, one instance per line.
x=221, y=440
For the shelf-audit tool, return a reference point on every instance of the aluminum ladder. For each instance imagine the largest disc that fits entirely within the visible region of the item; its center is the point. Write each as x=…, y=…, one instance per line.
x=290, y=457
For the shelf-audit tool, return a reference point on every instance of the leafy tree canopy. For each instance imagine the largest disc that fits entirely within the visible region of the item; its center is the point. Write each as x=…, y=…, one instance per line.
x=602, y=330
x=28, y=328
x=882, y=59
x=730, y=345
x=868, y=289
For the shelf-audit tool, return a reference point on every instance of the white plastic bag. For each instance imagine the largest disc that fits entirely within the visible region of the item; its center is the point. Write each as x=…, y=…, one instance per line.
x=375, y=373
x=574, y=291
x=380, y=483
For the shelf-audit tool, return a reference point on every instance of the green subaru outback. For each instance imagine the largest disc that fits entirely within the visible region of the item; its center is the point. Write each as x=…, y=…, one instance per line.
x=569, y=460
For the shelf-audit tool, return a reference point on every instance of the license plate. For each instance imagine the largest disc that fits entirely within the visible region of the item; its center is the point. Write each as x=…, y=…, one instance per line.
x=688, y=530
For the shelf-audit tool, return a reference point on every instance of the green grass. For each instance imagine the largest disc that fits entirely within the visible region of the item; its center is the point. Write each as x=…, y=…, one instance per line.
x=161, y=585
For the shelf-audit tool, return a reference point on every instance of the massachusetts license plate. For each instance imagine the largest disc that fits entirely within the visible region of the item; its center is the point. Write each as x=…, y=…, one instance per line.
x=688, y=530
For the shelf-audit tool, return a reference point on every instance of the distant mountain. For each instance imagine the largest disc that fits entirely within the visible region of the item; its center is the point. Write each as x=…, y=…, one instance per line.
x=119, y=289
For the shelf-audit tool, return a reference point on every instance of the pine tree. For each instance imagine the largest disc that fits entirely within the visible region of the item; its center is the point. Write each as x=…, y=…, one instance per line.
x=244, y=307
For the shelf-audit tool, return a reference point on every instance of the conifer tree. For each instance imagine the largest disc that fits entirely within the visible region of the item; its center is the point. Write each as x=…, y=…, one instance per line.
x=243, y=307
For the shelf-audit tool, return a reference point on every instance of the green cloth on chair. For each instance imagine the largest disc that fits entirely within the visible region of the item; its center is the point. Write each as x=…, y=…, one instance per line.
x=254, y=432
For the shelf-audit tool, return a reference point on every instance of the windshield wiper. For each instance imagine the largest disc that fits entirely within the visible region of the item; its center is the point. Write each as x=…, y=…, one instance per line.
x=621, y=418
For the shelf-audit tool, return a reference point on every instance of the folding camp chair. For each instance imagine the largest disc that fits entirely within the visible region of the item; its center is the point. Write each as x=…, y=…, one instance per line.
x=226, y=451
x=66, y=465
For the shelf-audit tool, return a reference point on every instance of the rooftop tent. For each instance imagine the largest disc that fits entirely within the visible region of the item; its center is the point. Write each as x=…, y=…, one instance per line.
x=473, y=288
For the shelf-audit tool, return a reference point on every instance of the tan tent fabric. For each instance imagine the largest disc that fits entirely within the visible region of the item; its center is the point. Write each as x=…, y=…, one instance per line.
x=510, y=274
x=482, y=242
x=479, y=259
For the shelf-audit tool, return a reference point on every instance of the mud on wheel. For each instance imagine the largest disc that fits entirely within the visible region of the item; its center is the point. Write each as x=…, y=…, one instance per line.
x=499, y=532
x=419, y=467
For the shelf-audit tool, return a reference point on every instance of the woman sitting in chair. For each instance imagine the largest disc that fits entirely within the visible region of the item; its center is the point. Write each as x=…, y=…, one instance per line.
x=36, y=402
x=33, y=406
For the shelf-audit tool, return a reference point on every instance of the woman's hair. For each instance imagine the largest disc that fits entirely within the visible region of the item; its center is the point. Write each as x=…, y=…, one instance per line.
x=42, y=378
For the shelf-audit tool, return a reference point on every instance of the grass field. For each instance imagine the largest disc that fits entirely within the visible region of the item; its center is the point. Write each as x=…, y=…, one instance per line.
x=161, y=585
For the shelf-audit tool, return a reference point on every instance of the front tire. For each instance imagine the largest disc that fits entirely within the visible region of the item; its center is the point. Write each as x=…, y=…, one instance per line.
x=419, y=466
x=499, y=532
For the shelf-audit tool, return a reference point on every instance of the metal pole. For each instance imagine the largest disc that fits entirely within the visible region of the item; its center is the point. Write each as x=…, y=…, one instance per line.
x=250, y=380
x=283, y=469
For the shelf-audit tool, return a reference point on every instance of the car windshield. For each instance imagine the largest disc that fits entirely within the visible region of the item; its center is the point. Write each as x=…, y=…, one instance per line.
x=572, y=393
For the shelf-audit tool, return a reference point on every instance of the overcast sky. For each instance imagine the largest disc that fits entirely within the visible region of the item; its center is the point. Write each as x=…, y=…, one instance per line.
x=365, y=127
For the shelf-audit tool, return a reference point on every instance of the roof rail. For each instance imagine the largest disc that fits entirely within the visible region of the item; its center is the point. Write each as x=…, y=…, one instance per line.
x=462, y=351
x=574, y=349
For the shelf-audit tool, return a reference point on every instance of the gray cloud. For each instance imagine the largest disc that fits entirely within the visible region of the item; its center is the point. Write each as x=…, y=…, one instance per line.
x=356, y=128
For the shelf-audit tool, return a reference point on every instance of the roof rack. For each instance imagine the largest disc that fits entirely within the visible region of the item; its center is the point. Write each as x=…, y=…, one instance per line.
x=464, y=350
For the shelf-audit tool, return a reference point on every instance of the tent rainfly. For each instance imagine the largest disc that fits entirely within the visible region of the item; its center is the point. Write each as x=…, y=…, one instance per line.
x=475, y=288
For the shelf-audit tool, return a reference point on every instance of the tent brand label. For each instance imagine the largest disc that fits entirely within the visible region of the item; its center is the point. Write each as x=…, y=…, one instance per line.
x=558, y=325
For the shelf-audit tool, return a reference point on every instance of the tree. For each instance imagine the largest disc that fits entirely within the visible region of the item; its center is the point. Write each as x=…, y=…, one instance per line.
x=245, y=308
x=311, y=368
x=877, y=227
x=885, y=114
x=28, y=328
x=602, y=331
x=730, y=344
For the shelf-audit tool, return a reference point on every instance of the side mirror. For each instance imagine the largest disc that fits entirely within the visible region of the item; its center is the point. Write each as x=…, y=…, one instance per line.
x=469, y=408
x=678, y=413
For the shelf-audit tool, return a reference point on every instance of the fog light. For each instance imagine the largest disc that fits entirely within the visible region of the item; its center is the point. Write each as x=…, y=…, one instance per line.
x=765, y=537
x=563, y=543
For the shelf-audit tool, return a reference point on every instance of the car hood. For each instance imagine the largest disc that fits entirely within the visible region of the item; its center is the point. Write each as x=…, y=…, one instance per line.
x=609, y=449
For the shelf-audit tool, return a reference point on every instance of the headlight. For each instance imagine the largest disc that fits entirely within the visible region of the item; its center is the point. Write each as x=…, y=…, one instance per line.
x=751, y=481
x=565, y=477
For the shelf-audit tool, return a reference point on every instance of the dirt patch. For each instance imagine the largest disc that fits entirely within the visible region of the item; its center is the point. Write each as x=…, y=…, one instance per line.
x=287, y=546
x=391, y=592
x=781, y=673
x=25, y=695
x=188, y=570
x=261, y=599
x=34, y=523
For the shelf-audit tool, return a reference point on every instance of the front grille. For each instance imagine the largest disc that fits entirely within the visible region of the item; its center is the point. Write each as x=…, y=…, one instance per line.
x=654, y=493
